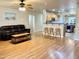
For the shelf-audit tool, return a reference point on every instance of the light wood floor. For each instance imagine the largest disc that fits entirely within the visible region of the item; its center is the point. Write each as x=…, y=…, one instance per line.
x=40, y=48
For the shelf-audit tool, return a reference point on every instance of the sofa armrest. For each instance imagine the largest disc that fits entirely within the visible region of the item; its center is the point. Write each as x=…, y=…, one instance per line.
x=27, y=30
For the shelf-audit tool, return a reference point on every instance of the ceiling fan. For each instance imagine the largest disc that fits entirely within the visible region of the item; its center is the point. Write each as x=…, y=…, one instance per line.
x=29, y=6
x=22, y=6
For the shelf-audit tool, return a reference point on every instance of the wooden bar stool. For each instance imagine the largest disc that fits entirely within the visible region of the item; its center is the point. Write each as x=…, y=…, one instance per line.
x=46, y=31
x=52, y=31
x=58, y=32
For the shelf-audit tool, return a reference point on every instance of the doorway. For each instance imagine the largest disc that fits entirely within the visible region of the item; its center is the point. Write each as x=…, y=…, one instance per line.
x=32, y=22
x=70, y=26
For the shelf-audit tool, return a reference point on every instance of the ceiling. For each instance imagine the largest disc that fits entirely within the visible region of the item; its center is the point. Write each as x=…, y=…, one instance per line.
x=42, y=4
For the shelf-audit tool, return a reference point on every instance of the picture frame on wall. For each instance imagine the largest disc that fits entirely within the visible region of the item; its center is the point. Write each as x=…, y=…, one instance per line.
x=10, y=16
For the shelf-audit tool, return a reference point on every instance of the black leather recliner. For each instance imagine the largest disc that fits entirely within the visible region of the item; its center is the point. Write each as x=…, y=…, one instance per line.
x=7, y=31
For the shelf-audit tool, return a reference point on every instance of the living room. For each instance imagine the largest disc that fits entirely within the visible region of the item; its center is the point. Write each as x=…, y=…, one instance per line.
x=39, y=29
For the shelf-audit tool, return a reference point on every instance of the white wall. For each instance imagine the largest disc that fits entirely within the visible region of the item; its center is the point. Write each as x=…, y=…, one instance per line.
x=21, y=17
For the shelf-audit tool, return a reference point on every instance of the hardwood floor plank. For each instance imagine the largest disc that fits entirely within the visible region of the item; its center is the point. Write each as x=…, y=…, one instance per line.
x=40, y=48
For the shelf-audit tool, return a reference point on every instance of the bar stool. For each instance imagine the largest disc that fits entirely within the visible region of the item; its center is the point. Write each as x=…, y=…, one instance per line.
x=52, y=31
x=46, y=31
x=58, y=32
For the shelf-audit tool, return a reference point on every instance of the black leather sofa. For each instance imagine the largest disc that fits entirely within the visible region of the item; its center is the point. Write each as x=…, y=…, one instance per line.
x=7, y=31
